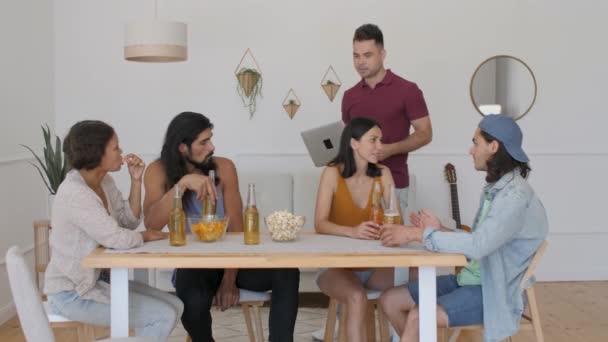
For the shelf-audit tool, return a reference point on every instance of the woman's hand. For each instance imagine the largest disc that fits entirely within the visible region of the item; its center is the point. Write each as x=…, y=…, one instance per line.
x=136, y=166
x=153, y=235
x=200, y=184
x=395, y=235
x=367, y=230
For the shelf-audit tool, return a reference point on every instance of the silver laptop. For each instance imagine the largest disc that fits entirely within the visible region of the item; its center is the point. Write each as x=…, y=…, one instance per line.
x=323, y=142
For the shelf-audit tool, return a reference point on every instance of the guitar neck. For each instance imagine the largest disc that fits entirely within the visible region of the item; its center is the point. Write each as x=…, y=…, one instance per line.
x=455, y=206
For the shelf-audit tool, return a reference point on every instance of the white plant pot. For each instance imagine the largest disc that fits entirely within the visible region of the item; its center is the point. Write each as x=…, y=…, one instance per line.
x=49, y=208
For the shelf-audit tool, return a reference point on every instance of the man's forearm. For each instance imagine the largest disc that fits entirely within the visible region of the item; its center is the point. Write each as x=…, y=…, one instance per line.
x=157, y=215
x=413, y=142
x=230, y=275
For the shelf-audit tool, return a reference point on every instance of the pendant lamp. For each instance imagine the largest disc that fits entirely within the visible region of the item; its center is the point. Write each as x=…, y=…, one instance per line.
x=156, y=41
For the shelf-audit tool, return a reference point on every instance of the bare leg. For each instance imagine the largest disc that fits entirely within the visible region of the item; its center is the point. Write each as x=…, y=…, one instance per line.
x=343, y=285
x=396, y=304
x=381, y=279
x=411, y=332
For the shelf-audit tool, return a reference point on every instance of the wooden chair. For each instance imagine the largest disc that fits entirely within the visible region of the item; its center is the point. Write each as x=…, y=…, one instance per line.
x=251, y=302
x=373, y=306
x=42, y=255
x=528, y=322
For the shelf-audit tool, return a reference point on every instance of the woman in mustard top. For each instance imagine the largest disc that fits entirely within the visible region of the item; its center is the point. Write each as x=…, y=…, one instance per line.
x=343, y=208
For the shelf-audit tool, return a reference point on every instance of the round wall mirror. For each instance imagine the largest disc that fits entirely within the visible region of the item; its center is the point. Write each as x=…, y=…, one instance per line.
x=503, y=85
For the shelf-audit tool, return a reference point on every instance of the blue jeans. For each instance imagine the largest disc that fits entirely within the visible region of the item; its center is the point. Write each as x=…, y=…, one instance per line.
x=463, y=304
x=402, y=195
x=152, y=312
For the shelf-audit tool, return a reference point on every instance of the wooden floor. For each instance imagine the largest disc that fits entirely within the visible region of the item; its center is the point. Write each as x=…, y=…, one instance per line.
x=570, y=311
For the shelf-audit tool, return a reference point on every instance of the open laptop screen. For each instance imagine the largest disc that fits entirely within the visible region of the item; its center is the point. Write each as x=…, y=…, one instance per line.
x=323, y=142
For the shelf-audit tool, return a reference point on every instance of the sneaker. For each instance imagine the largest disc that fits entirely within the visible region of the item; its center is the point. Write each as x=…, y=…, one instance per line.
x=319, y=335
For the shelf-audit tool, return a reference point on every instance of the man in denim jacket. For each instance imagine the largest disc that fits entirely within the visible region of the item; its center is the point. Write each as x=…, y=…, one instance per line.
x=509, y=227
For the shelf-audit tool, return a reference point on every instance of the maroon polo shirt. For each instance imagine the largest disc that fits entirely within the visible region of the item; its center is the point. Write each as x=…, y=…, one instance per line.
x=394, y=102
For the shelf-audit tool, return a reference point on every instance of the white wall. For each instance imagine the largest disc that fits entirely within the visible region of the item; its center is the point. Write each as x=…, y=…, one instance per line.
x=427, y=43
x=26, y=102
x=64, y=58
x=435, y=43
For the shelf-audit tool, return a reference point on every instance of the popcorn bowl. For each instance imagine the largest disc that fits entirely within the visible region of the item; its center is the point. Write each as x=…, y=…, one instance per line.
x=283, y=225
x=208, y=228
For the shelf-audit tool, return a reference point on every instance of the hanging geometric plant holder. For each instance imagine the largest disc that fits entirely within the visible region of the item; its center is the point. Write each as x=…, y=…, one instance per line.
x=331, y=83
x=291, y=103
x=250, y=81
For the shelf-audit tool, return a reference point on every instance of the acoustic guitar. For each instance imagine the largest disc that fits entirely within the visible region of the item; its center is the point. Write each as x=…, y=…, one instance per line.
x=450, y=176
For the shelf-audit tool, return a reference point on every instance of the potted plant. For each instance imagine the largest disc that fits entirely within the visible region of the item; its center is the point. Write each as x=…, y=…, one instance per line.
x=291, y=107
x=331, y=89
x=52, y=165
x=249, y=87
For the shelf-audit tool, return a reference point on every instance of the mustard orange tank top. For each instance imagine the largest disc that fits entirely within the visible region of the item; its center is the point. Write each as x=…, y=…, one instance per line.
x=344, y=211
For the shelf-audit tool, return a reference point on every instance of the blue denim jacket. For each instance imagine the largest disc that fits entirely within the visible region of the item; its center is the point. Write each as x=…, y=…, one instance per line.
x=505, y=243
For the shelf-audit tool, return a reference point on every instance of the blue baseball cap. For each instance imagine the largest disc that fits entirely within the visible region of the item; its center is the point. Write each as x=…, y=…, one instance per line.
x=507, y=132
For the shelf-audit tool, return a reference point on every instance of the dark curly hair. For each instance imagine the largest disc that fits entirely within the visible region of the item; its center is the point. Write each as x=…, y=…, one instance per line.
x=85, y=143
x=501, y=162
x=183, y=129
x=345, y=158
x=369, y=32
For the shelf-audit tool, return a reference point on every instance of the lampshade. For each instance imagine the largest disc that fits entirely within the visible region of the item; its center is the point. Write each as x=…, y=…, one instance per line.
x=156, y=41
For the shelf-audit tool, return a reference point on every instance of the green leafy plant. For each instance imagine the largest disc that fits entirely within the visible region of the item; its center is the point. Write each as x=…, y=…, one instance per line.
x=249, y=87
x=52, y=166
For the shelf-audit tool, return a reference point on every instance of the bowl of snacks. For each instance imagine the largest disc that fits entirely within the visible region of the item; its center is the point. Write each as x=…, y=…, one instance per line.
x=208, y=228
x=283, y=225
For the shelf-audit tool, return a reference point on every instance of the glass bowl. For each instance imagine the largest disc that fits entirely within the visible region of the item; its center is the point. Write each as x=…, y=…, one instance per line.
x=284, y=229
x=208, y=228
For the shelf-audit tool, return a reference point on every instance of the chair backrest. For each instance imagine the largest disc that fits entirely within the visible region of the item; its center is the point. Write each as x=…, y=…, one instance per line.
x=527, y=278
x=272, y=191
x=32, y=316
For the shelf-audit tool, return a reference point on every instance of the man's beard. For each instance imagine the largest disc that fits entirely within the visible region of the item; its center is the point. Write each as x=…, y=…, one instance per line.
x=205, y=165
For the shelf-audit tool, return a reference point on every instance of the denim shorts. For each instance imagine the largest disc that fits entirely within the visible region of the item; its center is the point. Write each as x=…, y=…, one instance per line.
x=463, y=304
x=362, y=275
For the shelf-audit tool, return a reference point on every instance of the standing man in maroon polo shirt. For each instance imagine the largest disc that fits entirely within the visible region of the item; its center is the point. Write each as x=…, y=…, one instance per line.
x=394, y=102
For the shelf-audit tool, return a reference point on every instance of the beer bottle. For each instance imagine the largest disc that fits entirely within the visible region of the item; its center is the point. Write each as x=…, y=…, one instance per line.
x=177, y=221
x=251, y=219
x=376, y=214
x=209, y=206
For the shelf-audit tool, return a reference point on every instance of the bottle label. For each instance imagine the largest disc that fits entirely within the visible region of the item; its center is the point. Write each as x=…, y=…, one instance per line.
x=392, y=218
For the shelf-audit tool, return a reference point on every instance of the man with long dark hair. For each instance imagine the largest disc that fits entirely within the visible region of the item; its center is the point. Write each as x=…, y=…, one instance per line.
x=186, y=159
x=510, y=225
